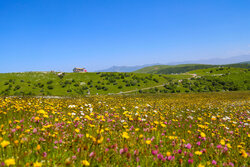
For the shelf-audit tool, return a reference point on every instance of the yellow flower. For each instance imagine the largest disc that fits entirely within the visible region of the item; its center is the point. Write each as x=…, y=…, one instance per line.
x=38, y=147
x=148, y=141
x=37, y=118
x=10, y=161
x=16, y=142
x=228, y=145
x=243, y=153
x=125, y=135
x=85, y=163
x=198, y=152
x=5, y=143
x=203, y=134
x=77, y=130
x=168, y=153
x=222, y=142
x=100, y=140
x=200, y=165
x=37, y=164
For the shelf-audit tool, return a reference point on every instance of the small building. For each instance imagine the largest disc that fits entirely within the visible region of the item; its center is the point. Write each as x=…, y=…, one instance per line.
x=79, y=70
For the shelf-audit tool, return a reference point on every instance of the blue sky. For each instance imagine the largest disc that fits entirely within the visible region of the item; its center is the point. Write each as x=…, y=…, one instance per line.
x=41, y=35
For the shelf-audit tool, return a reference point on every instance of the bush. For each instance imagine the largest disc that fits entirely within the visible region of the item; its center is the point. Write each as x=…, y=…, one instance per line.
x=50, y=87
x=50, y=82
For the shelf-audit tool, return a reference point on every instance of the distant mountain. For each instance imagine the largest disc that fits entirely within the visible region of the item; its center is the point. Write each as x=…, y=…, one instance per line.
x=182, y=68
x=216, y=61
x=125, y=68
x=243, y=59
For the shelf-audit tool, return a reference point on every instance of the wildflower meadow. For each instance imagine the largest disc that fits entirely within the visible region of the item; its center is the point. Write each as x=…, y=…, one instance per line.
x=205, y=129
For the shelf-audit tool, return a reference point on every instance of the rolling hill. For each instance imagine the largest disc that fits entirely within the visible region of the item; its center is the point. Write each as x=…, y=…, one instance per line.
x=50, y=83
x=169, y=69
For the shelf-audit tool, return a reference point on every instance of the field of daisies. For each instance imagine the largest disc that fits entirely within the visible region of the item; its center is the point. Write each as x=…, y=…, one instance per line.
x=206, y=129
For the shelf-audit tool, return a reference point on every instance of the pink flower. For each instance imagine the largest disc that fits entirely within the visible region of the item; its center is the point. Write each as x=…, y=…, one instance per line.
x=160, y=156
x=92, y=154
x=34, y=130
x=219, y=146
x=198, y=143
x=121, y=151
x=188, y=146
x=214, y=162
x=44, y=154
x=190, y=161
x=154, y=152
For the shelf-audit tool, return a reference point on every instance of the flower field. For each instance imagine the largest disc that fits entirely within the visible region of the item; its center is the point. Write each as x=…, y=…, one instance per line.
x=206, y=129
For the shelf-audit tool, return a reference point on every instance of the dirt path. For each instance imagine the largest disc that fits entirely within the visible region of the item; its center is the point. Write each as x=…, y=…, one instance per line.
x=130, y=91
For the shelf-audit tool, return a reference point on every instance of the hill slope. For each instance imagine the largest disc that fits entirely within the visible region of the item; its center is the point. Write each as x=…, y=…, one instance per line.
x=38, y=83
x=169, y=69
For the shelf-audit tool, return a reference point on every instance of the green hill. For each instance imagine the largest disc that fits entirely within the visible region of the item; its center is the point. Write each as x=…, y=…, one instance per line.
x=167, y=69
x=49, y=83
x=209, y=80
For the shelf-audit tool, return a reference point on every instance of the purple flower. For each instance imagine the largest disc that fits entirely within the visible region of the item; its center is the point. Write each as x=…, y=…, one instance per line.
x=154, y=152
x=160, y=156
x=179, y=151
x=44, y=154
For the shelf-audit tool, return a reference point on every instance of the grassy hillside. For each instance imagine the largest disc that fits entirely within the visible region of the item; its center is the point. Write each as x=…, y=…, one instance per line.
x=167, y=69
x=209, y=80
x=38, y=83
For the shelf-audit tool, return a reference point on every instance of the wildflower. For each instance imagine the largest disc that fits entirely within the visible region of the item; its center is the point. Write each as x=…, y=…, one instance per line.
x=148, y=141
x=10, y=161
x=198, y=152
x=125, y=135
x=38, y=147
x=44, y=154
x=77, y=130
x=214, y=162
x=85, y=163
x=154, y=152
x=188, y=146
x=92, y=154
x=203, y=134
x=168, y=153
x=200, y=165
x=37, y=164
x=190, y=161
x=5, y=143
x=222, y=142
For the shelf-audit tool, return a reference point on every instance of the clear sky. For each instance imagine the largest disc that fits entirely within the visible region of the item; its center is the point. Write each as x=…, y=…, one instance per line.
x=41, y=35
